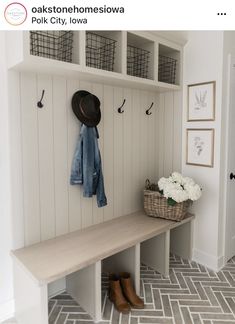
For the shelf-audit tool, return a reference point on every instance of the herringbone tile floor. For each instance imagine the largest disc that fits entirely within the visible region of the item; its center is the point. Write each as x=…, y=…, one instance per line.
x=191, y=295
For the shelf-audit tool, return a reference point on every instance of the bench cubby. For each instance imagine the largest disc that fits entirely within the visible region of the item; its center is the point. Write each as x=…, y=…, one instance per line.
x=155, y=253
x=125, y=261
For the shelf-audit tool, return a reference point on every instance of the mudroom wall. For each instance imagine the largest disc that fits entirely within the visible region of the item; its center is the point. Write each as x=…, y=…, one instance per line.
x=134, y=146
x=203, y=67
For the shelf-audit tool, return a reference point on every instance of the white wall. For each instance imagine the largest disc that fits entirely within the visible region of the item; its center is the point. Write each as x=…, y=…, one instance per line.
x=203, y=61
x=6, y=284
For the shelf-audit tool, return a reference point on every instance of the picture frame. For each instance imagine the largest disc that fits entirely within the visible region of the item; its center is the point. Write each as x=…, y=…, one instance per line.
x=201, y=101
x=200, y=147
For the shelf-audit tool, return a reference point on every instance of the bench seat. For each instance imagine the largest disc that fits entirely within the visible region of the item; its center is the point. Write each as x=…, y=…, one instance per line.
x=79, y=256
x=56, y=258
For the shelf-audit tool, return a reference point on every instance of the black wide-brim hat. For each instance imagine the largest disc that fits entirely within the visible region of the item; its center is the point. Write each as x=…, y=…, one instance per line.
x=86, y=107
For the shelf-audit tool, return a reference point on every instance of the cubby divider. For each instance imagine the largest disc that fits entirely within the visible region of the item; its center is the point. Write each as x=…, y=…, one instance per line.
x=125, y=261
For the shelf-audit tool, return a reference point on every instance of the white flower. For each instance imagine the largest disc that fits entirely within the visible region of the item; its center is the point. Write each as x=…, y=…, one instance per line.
x=179, y=195
x=169, y=188
x=162, y=183
x=177, y=177
x=188, y=181
x=175, y=191
x=194, y=191
x=179, y=188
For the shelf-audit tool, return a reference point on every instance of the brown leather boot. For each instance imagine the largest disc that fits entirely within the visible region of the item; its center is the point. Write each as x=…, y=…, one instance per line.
x=129, y=291
x=116, y=295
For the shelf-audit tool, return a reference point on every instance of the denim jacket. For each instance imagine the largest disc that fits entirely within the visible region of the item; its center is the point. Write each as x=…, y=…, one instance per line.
x=86, y=166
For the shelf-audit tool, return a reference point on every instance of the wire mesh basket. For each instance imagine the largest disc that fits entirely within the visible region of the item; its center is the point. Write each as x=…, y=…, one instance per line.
x=100, y=51
x=137, y=61
x=57, y=45
x=167, y=69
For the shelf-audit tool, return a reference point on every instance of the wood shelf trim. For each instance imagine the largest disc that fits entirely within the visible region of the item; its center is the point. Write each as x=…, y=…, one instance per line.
x=47, y=66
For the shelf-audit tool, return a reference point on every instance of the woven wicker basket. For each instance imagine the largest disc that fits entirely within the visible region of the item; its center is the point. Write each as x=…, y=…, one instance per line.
x=155, y=205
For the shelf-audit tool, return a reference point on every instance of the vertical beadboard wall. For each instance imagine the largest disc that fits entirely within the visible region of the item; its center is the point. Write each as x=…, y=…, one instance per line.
x=133, y=145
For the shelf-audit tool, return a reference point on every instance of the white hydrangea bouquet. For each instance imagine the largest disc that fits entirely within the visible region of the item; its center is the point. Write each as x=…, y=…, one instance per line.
x=171, y=198
x=177, y=189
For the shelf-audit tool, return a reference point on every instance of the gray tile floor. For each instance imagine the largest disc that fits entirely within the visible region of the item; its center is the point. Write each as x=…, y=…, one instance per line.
x=191, y=295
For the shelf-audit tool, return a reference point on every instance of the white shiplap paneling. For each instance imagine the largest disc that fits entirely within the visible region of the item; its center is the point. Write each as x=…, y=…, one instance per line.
x=161, y=135
x=144, y=165
x=60, y=130
x=151, y=136
x=16, y=162
x=118, y=153
x=30, y=158
x=133, y=145
x=157, y=139
x=127, y=152
x=46, y=158
x=136, y=194
x=108, y=151
x=75, y=207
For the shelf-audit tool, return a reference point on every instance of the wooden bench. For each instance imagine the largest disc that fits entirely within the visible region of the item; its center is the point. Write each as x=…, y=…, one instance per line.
x=116, y=245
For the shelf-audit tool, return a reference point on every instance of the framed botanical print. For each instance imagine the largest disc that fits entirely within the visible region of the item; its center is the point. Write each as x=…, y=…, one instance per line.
x=201, y=101
x=200, y=147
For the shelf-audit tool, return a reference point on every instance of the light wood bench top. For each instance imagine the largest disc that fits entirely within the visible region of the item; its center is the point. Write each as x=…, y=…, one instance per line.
x=58, y=257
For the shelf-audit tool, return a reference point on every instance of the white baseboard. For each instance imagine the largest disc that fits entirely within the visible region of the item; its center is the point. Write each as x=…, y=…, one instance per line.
x=221, y=262
x=209, y=261
x=7, y=310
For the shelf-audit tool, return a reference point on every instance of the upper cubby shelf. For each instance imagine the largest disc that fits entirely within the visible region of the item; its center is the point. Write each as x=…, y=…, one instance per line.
x=133, y=59
x=103, y=50
x=168, y=65
x=140, y=57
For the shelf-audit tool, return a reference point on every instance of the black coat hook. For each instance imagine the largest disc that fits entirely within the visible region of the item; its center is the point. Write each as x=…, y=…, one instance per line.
x=120, y=108
x=148, y=112
x=40, y=104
